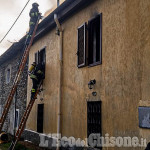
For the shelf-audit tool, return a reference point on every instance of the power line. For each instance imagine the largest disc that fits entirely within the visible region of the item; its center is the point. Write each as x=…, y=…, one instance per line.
x=14, y=22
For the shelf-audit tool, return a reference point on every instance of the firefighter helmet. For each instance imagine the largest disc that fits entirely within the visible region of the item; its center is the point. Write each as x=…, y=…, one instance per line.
x=35, y=4
x=34, y=63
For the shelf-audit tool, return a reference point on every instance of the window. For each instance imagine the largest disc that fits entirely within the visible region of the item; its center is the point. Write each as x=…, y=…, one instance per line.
x=0, y=110
x=40, y=57
x=8, y=74
x=40, y=114
x=0, y=80
x=16, y=123
x=95, y=41
x=93, y=117
x=82, y=45
x=90, y=53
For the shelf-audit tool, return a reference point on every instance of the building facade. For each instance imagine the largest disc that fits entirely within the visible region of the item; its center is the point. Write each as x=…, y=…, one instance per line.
x=104, y=80
x=9, y=63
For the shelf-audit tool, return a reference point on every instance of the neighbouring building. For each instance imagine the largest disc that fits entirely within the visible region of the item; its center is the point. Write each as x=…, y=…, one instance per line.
x=9, y=64
x=102, y=84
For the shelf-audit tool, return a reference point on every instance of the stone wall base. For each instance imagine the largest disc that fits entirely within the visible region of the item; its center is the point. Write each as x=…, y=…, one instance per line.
x=45, y=141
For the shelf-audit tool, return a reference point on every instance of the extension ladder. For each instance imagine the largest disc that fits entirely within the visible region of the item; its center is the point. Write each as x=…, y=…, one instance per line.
x=24, y=119
x=17, y=78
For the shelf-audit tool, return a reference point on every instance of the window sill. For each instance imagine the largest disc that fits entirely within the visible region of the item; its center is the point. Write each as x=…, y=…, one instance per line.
x=95, y=64
x=81, y=66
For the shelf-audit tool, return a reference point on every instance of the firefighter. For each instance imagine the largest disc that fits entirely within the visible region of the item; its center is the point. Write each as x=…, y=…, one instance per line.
x=32, y=67
x=34, y=14
x=36, y=73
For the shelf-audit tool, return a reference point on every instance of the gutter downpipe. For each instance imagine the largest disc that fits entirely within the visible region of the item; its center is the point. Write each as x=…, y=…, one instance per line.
x=57, y=3
x=60, y=77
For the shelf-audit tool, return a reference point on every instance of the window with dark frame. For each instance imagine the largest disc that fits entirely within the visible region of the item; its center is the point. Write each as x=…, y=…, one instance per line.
x=40, y=115
x=16, y=121
x=1, y=110
x=94, y=117
x=0, y=79
x=82, y=45
x=40, y=57
x=90, y=53
x=95, y=41
x=8, y=74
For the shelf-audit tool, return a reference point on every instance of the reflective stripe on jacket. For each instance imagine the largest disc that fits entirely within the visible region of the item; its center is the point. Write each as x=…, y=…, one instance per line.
x=32, y=76
x=33, y=90
x=39, y=72
x=34, y=14
x=31, y=23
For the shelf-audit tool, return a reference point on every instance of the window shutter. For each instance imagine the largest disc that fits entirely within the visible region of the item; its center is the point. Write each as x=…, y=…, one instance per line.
x=81, y=53
x=100, y=38
x=36, y=57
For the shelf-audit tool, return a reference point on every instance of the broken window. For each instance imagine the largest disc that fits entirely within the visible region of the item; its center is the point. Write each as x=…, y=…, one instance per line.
x=95, y=41
x=40, y=115
x=40, y=57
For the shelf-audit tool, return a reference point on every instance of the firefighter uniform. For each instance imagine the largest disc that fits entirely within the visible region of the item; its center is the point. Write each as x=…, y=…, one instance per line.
x=36, y=75
x=34, y=14
x=32, y=67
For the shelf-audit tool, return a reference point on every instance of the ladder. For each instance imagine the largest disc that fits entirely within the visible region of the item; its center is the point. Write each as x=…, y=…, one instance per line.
x=17, y=78
x=24, y=119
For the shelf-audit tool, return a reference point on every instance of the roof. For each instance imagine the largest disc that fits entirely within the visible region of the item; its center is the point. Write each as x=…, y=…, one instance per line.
x=64, y=11
x=12, y=51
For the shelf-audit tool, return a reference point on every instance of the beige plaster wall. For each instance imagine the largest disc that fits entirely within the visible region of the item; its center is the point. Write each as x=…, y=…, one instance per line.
x=122, y=81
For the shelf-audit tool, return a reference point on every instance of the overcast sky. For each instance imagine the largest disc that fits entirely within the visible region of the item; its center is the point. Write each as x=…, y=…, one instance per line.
x=9, y=11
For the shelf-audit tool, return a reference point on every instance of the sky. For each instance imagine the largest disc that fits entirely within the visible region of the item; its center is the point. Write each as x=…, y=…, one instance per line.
x=9, y=11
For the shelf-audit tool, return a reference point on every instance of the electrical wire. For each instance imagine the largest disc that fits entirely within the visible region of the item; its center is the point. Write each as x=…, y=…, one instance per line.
x=14, y=22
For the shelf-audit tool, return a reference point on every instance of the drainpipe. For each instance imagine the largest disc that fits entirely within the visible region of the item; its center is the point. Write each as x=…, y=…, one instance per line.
x=60, y=74
x=57, y=3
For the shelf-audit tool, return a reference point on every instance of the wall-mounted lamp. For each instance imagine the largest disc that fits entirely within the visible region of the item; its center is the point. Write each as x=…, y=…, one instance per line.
x=91, y=84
